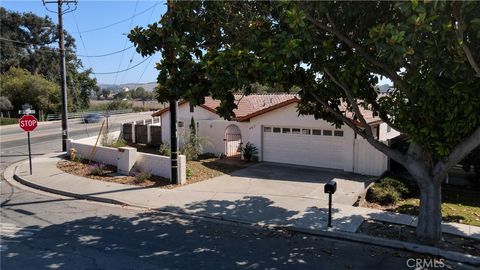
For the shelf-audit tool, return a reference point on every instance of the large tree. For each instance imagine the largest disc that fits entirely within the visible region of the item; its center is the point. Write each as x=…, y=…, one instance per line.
x=23, y=87
x=335, y=53
x=30, y=42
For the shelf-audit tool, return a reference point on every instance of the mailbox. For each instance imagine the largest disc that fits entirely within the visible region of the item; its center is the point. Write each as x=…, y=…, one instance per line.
x=330, y=187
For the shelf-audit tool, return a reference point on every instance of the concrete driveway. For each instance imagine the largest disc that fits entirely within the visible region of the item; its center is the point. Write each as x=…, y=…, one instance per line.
x=273, y=179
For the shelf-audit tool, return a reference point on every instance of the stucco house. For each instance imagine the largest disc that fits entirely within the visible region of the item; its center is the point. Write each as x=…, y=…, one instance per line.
x=271, y=122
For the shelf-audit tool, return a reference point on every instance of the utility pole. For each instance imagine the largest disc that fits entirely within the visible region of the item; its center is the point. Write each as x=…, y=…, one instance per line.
x=63, y=68
x=170, y=56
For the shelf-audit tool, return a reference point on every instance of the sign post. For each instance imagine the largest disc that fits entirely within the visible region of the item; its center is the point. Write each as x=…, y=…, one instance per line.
x=28, y=123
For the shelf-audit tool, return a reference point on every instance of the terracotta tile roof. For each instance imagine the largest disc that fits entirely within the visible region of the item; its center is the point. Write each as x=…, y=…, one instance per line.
x=247, y=106
x=254, y=105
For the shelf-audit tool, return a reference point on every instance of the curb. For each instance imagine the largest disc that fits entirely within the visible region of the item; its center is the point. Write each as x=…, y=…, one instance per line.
x=65, y=193
x=332, y=234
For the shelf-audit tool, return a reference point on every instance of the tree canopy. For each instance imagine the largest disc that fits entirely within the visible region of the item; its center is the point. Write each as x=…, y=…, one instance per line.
x=335, y=53
x=30, y=42
x=23, y=87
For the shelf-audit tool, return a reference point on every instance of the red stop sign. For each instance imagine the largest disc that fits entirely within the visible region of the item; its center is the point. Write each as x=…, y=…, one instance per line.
x=28, y=122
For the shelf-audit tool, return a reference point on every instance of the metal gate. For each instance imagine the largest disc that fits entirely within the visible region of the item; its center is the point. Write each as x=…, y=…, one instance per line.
x=233, y=145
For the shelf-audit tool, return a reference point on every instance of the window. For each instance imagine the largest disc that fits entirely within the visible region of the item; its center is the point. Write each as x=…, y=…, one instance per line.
x=327, y=133
x=295, y=131
x=180, y=124
x=285, y=130
x=316, y=132
x=267, y=129
x=306, y=131
x=276, y=130
x=338, y=133
x=389, y=129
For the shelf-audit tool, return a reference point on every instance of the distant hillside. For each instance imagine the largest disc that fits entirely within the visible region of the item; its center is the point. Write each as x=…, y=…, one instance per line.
x=148, y=86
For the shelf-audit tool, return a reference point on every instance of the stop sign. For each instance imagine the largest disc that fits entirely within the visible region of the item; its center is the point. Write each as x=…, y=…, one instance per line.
x=28, y=122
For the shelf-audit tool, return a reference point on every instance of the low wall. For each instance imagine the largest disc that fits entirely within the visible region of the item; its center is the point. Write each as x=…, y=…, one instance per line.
x=160, y=165
x=125, y=158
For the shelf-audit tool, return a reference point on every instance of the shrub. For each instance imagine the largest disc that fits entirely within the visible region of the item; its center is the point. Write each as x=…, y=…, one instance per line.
x=387, y=191
x=193, y=145
x=164, y=149
x=98, y=169
x=118, y=105
x=249, y=151
x=116, y=143
x=141, y=177
x=188, y=173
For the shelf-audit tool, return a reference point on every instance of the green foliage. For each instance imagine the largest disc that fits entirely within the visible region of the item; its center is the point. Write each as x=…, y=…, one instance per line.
x=249, y=151
x=193, y=145
x=39, y=58
x=8, y=121
x=115, y=143
x=142, y=177
x=118, y=105
x=98, y=169
x=189, y=173
x=290, y=43
x=387, y=191
x=20, y=86
x=165, y=149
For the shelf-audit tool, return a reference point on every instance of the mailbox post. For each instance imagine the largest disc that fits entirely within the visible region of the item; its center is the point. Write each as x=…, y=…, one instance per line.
x=330, y=188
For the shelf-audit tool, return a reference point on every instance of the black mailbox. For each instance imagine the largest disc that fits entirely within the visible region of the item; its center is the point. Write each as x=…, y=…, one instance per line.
x=330, y=187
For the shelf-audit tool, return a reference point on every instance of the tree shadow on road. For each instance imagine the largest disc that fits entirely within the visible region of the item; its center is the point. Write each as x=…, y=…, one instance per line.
x=153, y=240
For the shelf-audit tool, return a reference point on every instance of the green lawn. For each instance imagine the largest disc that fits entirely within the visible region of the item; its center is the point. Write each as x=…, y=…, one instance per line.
x=461, y=206
x=8, y=121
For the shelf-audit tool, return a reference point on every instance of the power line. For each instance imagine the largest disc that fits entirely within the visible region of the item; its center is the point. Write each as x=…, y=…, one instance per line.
x=144, y=70
x=20, y=42
x=134, y=52
x=49, y=48
x=107, y=54
x=81, y=38
x=115, y=23
x=120, y=71
x=125, y=43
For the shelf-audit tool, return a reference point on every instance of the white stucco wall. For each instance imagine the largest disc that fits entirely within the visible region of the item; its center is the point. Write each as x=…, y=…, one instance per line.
x=214, y=131
x=184, y=115
x=288, y=117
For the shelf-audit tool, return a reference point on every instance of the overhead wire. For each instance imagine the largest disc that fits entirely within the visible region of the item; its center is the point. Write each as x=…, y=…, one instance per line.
x=125, y=43
x=144, y=70
x=120, y=71
x=81, y=39
x=134, y=51
x=118, y=22
x=54, y=48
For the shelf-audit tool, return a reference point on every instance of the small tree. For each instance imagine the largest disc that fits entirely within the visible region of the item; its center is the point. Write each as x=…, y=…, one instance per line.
x=193, y=144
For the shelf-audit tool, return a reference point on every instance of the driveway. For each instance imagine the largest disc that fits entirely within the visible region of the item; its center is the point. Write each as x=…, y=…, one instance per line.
x=273, y=179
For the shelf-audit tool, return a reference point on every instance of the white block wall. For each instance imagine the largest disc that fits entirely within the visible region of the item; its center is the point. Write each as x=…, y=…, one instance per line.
x=154, y=164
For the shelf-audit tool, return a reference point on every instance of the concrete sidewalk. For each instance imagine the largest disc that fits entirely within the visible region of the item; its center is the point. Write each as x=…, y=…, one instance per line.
x=298, y=212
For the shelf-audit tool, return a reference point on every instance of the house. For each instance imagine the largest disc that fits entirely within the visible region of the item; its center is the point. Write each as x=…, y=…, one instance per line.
x=271, y=122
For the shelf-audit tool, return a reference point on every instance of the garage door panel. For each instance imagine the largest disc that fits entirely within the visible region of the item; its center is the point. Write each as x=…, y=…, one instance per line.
x=309, y=150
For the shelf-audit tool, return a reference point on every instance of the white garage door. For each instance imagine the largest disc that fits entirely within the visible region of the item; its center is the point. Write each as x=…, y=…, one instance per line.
x=304, y=146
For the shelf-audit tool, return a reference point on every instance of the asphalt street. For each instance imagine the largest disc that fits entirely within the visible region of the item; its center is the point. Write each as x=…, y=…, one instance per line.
x=44, y=231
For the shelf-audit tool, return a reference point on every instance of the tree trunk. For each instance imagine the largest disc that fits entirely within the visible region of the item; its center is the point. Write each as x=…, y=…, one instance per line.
x=429, y=227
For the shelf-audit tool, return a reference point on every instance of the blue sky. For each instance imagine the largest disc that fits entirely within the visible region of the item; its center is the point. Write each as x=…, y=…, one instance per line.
x=97, y=14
